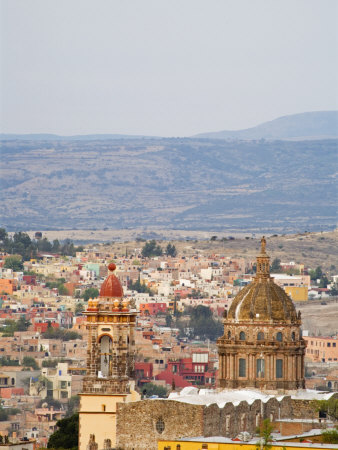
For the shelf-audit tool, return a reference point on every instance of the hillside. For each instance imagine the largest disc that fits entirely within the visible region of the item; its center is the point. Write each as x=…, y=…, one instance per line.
x=169, y=183
x=309, y=125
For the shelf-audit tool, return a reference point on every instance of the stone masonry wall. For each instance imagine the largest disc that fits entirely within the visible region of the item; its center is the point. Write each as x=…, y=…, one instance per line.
x=136, y=423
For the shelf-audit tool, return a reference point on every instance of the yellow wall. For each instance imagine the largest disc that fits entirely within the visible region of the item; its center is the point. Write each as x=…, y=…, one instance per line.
x=298, y=294
x=94, y=420
x=186, y=445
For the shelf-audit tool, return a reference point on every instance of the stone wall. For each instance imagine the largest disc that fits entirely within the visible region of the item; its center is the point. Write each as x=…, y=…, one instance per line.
x=136, y=422
x=139, y=423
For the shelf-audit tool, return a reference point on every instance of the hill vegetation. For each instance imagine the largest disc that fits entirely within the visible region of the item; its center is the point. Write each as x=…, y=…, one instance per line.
x=192, y=184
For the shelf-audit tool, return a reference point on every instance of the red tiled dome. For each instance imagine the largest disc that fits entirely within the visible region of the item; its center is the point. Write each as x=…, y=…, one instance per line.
x=111, y=287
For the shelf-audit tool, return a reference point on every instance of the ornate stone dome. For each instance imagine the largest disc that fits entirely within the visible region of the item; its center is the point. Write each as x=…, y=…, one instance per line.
x=111, y=287
x=262, y=300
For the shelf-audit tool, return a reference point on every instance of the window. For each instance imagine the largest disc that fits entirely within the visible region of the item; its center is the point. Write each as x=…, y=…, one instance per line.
x=229, y=334
x=279, y=368
x=279, y=336
x=260, y=336
x=333, y=344
x=242, y=336
x=329, y=344
x=260, y=368
x=103, y=408
x=293, y=336
x=242, y=367
x=160, y=425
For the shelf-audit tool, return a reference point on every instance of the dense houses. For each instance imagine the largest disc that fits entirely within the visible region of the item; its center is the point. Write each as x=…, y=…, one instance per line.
x=43, y=340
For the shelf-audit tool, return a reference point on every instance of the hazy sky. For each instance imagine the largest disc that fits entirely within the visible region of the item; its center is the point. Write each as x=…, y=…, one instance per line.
x=164, y=67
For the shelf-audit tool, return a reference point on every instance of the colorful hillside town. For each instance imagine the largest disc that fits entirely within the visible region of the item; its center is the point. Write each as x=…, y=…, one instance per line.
x=185, y=312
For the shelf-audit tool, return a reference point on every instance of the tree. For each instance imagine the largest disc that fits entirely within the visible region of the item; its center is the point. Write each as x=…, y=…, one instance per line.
x=79, y=308
x=316, y=274
x=60, y=333
x=140, y=287
x=328, y=407
x=275, y=266
x=168, y=320
x=90, y=293
x=264, y=432
x=73, y=405
x=151, y=249
x=56, y=246
x=171, y=250
x=52, y=363
x=29, y=361
x=330, y=436
x=14, y=262
x=150, y=389
x=66, y=437
x=203, y=324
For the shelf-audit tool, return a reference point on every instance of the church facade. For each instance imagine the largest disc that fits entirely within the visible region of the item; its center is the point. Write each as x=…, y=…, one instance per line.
x=262, y=345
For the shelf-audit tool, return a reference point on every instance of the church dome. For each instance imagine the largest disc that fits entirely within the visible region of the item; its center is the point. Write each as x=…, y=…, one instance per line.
x=262, y=300
x=111, y=287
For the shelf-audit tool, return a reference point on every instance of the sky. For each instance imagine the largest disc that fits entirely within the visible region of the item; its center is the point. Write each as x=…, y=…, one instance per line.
x=164, y=67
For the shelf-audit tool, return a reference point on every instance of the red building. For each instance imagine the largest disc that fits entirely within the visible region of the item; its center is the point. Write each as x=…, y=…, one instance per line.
x=151, y=309
x=194, y=370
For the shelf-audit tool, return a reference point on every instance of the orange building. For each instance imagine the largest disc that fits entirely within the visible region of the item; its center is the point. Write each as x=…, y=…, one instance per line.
x=7, y=286
x=321, y=349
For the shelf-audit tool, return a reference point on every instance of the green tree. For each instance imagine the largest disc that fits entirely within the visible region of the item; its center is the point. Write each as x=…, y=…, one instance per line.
x=168, y=320
x=14, y=262
x=73, y=405
x=171, y=250
x=56, y=246
x=66, y=437
x=140, y=287
x=79, y=308
x=61, y=333
x=264, y=432
x=328, y=407
x=203, y=324
x=151, y=249
x=44, y=245
x=29, y=361
x=330, y=436
x=52, y=363
x=150, y=389
x=90, y=293
x=275, y=266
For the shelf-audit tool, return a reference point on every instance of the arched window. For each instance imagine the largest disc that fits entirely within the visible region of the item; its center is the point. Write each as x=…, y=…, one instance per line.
x=260, y=336
x=229, y=334
x=106, y=345
x=279, y=336
x=329, y=384
x=242, y=336
x=293, y=336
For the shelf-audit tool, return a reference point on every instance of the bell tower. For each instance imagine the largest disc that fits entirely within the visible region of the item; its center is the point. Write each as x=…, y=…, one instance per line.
x=110, y=364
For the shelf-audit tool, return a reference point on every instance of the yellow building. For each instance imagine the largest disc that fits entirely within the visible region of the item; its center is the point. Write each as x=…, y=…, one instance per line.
x=110, y=365
x=297, y=293
x=212, y=444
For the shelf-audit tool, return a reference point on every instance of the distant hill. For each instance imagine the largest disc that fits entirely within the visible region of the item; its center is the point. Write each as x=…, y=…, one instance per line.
x=275, y=186
x=309, y=125
x=79, y=137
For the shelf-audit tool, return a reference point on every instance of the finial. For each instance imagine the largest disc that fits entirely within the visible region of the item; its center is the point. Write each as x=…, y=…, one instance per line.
x=263, y=244
x=112, y=267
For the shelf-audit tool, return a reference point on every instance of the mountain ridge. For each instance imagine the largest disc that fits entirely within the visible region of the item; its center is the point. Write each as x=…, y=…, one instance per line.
x=307, y=125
